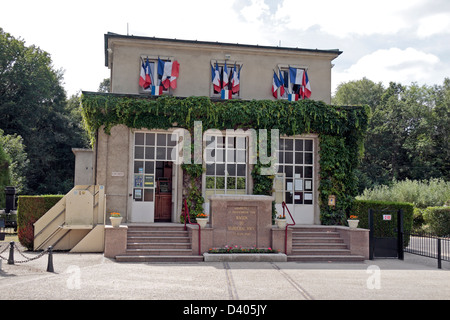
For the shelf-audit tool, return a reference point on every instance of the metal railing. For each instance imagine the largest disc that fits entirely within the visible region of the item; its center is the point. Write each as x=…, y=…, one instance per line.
x=188, y=218
x=284, y=205
x=13, y=246
x=431, y=246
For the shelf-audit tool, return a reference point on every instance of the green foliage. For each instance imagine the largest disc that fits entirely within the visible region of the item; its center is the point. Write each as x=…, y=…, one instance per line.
x=426, y=193
x=341, y=129
x=4, y=175
x=14, y=148
x=33, y=106
x=29, y=210
x=361, y=209
x=409, y=133
x=438, y=220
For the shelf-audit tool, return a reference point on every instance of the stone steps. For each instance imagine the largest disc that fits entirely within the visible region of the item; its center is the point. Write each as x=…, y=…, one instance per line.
x=318, y=244
x=158, y=243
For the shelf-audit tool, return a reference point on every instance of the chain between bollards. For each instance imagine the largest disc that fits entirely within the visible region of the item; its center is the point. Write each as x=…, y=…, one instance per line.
x=49, y=251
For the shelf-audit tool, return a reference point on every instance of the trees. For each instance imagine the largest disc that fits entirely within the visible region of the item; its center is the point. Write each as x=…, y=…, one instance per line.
x=409, y=131
x=33, y=105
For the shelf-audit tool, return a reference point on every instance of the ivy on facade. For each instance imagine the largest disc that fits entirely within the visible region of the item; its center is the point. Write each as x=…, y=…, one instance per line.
x=340, y=130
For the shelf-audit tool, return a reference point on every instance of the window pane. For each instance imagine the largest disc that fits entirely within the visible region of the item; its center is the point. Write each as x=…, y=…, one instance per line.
x=171, y=155
x=231, y=156
x=241, y=170
x=308, y=145
x=160, y=153
x=289, y=144
x=231, y=142
x=138, y=166
x=210, y=183
x=231, y=168
x=298, y=145
x=149, y=167
x=308, y=172
x=161, y=139
x=220, y=183
x=139, y=152
x=210, y=169
x=299, y=158
x=150, y=139
x=240, y=142
x=308, y=158
x=240, y=183
x=288, y=157
x=148, y=194
x=231, y=183
x=220, y=169
x=288, y=170
x=172, y=140
x=150, y=153
x=241, y=156
x=139, y=139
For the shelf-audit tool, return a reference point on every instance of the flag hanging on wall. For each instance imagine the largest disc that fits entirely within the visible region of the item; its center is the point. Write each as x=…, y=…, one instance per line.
x=145, y=75
x=215, y=78
x=226, y=94
x=236, y=79
x=306, y=86
x=157, y=90
x=169, y=71
x=225, y=77
x=276, y=83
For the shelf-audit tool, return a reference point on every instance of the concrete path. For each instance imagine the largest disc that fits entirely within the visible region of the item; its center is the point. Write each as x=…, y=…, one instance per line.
x=91, y=276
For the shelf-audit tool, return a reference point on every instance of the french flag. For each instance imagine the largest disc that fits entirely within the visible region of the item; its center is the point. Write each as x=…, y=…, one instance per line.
x=296, y=75
x=225, y=76
x=275, y=85
x=144, y=79
x=236, y=79
x=169, y=70
x=306, y=86
x=215, y=78
x=281, y=83
x=293, y=97
x=226, y=94
x=157, y=90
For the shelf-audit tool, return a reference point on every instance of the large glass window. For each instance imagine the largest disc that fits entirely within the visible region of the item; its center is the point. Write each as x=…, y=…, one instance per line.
x=226, y=165
x=296, y=161
x=150, y=152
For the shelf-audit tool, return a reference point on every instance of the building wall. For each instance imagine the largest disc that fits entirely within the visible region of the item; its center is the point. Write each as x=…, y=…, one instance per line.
x=195, y=61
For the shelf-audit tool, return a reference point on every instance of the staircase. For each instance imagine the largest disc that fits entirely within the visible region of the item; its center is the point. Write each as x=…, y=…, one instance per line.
x=319, y=244
x=162, y=242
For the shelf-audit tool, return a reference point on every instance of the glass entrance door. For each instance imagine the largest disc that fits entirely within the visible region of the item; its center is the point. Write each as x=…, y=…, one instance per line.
x=153, y=156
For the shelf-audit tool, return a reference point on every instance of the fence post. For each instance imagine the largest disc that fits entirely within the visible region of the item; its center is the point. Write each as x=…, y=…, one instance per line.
x=50, y=260
x=11, y=253
x=371, y=234
x=439, y=258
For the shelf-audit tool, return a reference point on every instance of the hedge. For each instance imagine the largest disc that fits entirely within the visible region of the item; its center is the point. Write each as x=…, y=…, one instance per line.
x=438, y=219
x=361, y=209
x=29, y=210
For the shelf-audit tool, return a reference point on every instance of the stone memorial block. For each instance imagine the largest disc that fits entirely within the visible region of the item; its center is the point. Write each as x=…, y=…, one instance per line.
x=242, y=220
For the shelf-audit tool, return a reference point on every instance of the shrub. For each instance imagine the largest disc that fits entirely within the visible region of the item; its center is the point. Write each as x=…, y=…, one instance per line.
x=361, y=209
x=29, y=210
x=438, y=220
x=426, y=193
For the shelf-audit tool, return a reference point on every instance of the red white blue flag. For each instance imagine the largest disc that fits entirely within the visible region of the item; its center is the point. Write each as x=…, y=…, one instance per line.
x=226, y=94
x=276, y=83
x=235, y=83
x=225, y=77
x=306, y=86
x=169, y=72
x=157, y=90
x=215, y=78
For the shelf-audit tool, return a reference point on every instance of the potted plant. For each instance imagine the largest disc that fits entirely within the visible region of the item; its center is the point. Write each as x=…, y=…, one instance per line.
x=116, y=219
x=280, y=220
x=201, y=219
x=353, y=221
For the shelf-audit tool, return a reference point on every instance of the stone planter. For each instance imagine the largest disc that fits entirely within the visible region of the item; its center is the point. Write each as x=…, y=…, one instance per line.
x=281, y=223
x=115, y=221
x=353, y=224
x=202, y=222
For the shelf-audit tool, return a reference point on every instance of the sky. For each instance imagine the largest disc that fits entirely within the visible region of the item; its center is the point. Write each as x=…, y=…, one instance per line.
x=405, y=41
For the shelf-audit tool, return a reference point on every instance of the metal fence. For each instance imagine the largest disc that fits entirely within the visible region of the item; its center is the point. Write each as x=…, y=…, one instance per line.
x=431, y=246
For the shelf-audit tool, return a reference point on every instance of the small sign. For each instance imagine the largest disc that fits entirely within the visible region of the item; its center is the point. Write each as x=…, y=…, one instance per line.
x=387, y=217
x=117, y=174
x=332, y=200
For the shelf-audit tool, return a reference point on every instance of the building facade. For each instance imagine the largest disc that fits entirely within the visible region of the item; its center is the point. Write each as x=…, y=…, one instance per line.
x=140, y=168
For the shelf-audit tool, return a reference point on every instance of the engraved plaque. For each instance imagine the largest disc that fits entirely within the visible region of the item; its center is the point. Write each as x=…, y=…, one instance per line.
x=241, y=225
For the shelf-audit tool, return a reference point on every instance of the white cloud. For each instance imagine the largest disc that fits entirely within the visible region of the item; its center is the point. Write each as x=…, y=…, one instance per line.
x=394, y=64
x=342, y=18
x=435, y=24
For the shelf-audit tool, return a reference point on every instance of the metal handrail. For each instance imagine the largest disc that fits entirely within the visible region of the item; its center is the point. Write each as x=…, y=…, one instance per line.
x=188, y=218
x=284, y=205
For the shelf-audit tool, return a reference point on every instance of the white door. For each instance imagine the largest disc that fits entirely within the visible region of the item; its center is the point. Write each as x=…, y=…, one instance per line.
x=296, y=169
x=150, y=150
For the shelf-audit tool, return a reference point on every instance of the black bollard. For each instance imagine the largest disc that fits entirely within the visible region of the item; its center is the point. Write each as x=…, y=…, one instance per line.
x=11, y=253
x=50, y=260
